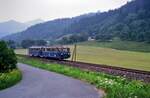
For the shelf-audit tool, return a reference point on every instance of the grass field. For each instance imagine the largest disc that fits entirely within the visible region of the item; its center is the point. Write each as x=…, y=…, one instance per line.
x=108, y=56
x=120, y=45
x=114, y=86
x=21, y=51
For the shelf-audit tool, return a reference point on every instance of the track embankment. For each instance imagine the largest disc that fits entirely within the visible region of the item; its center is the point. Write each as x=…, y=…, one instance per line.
x=118, y=71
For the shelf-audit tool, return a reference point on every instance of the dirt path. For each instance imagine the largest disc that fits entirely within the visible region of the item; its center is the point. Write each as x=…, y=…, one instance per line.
x=37, y=83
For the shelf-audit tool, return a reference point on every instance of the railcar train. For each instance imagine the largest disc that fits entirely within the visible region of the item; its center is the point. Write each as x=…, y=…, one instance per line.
x=50, y=52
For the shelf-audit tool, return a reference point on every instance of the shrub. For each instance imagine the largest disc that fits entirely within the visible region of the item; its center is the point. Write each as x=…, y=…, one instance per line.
x=10, y=78
x=8, y=59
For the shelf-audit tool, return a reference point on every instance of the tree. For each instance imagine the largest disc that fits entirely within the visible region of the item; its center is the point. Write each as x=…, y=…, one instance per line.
x=27, y=43
x=147, y=37
x=40, y=42
x=64, y=40
x=8, y=59
x=11, y=44
x=104, y=37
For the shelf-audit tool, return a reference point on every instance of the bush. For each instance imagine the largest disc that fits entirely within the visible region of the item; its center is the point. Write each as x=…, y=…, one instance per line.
x=8, y=59
x=10, y=78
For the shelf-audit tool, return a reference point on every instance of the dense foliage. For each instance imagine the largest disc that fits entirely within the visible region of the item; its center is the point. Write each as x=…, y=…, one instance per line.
x=9, y=79
x=115, y=86
x=8, y=58
x=29, y=43
x=73, y=38
x=130, y=22
x=11, y=44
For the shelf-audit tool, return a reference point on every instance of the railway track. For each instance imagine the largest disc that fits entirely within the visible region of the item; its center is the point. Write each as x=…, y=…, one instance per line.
x=118, y=71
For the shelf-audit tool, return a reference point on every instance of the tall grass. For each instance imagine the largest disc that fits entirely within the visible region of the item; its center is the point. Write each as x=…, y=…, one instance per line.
x=9, y=79
x=114, y=86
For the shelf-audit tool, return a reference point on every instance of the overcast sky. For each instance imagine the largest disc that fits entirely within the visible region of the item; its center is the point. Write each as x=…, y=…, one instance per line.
x=26, y=10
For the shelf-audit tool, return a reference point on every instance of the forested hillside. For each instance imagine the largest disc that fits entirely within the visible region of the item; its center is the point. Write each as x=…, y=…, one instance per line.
x=46, y=30
x=130, y=22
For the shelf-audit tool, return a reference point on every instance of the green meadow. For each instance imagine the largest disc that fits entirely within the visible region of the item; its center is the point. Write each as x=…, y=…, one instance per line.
x=120, y=45
x=108, y=56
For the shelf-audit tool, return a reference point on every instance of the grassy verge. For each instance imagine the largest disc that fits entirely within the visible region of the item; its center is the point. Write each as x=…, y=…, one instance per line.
x=9, y=79
x=114, y=86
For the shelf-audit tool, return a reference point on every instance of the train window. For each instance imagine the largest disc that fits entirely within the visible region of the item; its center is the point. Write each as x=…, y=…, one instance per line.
x=51, y=49
x=48, y=49
x=65, y=49
x=68, y=49
x=54, y=49
x=43, y=49
x=61, y=49
x=32, y=49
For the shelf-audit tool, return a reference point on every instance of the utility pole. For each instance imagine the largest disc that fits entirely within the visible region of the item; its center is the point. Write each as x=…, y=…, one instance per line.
x=74, y=54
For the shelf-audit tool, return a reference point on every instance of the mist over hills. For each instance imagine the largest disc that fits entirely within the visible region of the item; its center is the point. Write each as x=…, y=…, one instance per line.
x=12, y=26
x=47, y=30
x=34, y=22
x=130, y=22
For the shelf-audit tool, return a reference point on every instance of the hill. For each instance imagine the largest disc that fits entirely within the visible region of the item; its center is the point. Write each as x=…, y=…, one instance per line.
x=130, y=22
x=34, y=22
x=50, y=30
x=10, y=27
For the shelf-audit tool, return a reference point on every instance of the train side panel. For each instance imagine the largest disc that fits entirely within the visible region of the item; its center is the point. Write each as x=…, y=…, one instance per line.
x=49, y=54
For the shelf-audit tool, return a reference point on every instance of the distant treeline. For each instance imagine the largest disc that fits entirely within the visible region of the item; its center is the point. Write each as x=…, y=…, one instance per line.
x=73, y=39
x=26, y=43
x=64, y=40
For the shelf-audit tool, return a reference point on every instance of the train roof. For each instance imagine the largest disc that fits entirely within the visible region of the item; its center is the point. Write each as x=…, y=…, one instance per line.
x=48, y=47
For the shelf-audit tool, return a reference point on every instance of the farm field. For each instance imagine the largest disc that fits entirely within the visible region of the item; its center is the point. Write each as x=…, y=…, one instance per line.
x=21, y=51
x=120, y=45
x=108, y=56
